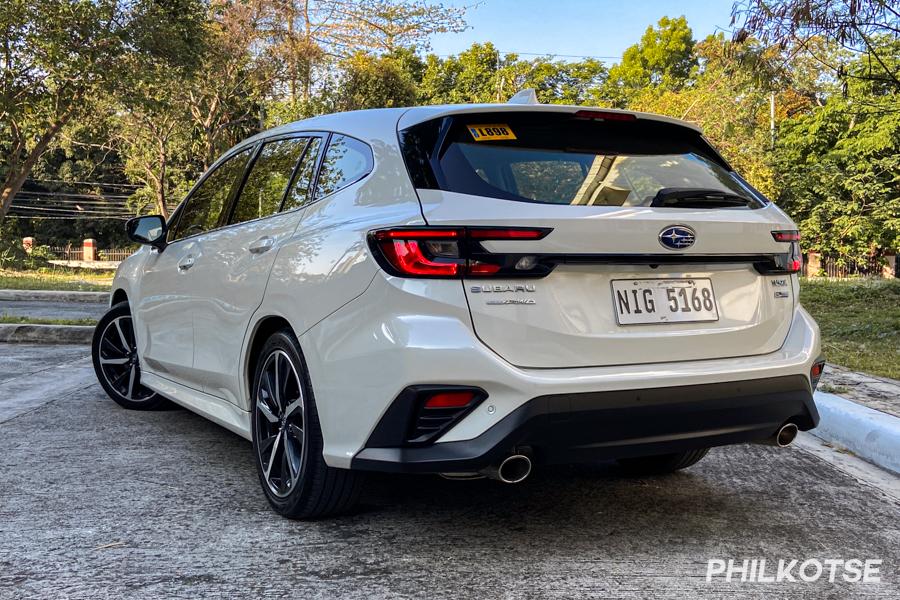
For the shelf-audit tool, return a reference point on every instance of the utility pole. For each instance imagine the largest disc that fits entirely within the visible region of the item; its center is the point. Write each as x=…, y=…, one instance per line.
x=771, y=120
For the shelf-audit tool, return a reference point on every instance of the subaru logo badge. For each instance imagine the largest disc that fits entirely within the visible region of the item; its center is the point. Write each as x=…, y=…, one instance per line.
x=677, y=237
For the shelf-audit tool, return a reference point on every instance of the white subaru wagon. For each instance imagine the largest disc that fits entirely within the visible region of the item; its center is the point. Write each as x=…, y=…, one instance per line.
x=467, y=290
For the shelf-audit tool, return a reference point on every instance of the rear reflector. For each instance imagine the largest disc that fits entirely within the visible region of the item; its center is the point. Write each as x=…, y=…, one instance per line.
x=507, y=234
x=605, y=115
x=450, y=400
x=786, y=236
x=815, y=373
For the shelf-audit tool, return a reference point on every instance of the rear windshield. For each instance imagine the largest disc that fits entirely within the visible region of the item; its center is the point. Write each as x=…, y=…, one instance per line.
x=560, y=159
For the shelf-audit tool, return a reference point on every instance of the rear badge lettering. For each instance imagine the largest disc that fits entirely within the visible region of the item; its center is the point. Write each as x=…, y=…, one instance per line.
x=782, y=295
x=779, y=282
x=499, y=289
x=528, y=301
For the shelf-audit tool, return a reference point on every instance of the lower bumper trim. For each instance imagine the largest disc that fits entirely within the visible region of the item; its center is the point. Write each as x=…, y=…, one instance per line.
x=584, y=427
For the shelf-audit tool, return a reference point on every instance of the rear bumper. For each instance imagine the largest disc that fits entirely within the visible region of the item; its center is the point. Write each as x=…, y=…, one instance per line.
x=413, y=332
x=568, y=428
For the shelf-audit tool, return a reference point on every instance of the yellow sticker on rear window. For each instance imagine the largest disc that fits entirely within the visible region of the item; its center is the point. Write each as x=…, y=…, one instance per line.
x=483, y=133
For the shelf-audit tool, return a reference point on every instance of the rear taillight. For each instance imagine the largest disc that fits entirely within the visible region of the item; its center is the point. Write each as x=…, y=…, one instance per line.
x=786, y=235
x=454, y=252
x=791, y=262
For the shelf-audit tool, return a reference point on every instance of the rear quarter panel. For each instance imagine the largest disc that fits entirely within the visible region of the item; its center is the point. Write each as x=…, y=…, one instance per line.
x=327, y=262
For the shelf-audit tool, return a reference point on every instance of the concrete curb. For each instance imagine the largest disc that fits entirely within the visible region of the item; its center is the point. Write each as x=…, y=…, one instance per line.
x=868, y=433
x=46, y=334
x=54, y=296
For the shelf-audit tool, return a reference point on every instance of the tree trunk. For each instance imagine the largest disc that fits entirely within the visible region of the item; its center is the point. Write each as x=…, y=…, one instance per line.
x=16, y=177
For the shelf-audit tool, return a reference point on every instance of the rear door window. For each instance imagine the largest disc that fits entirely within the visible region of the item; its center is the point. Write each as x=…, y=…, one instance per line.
x=346, y=161
x=558, y=158
x=268, y=179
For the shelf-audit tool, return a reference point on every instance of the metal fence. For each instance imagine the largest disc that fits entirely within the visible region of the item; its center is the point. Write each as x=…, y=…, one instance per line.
x=832, y=267
x=67, y=252
x=115, y=254
x=76, y=253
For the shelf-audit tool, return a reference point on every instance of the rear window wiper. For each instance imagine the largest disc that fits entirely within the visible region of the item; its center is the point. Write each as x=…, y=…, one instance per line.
x=701, y=198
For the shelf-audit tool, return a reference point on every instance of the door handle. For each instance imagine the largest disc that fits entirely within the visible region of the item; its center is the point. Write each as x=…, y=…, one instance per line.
x=186, y=263
x=263, y=244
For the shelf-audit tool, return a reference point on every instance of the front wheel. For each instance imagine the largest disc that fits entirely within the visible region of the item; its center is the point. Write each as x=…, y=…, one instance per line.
x=287, y=438
x=114, y=353
x=662, y=463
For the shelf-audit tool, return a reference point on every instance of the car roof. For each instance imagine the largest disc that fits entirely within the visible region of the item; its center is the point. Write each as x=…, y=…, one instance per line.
x=382, y=123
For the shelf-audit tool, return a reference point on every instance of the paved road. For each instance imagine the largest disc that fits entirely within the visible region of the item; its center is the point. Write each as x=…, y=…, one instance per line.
x=52, y=310
x=99, y=502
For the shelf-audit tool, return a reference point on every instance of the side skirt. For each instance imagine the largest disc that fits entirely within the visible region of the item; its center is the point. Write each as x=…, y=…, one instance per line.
x=215, y=409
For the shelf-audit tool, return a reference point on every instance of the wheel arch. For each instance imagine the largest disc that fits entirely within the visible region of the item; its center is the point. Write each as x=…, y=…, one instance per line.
x=118, y=295
x=264, y=328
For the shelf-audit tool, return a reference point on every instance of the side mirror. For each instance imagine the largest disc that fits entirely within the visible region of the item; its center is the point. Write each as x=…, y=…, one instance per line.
x=150, y=230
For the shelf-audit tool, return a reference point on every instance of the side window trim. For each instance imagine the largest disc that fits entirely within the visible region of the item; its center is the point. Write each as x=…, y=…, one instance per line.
x=314, y=188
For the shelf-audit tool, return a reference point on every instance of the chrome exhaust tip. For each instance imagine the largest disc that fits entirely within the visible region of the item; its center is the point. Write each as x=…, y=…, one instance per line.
x=513, y=469
x=786, y=435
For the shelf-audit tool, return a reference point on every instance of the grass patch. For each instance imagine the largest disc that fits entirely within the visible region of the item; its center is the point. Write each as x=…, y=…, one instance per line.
x=78, y=280
x=7, y=320
x=860, y=322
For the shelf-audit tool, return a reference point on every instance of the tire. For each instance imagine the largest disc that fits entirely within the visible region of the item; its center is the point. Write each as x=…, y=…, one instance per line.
x=116, y=363
x=662, y=463
x=287, y=438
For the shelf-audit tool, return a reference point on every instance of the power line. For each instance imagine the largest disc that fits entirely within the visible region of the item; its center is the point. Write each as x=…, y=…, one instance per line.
x=93, y=183
x=65, y=218
x=75, y=195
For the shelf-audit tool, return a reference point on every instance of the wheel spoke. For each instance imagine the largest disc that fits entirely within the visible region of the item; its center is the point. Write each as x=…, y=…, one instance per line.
x=131, y=378
x=298, y=403
x=266, y=411
x=277, y=384
x=125, y=345
x=295, y=433
x=113, y=361
x=272, y=455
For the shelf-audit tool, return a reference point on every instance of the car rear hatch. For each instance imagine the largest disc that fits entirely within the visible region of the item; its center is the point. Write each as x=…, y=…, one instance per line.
x=632, y=240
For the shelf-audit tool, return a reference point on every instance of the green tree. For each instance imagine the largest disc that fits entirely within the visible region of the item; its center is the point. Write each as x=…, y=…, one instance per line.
x=663, y=58
x=375, y=82
x=60, y=56
x=839, y=166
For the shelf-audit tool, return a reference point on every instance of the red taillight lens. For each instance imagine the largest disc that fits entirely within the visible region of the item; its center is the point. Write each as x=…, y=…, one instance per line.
x=407, y=257
x=786, y=236
x=605, y=115
x=450, y=252
x=450, y=400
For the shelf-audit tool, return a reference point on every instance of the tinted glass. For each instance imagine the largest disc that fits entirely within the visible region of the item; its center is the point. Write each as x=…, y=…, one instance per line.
x=299, y=193
x=562, y=159
x=346, y=160
x=203, y=208
x=268, y=178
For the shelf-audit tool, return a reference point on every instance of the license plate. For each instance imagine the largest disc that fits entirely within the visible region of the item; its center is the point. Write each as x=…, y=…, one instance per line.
x=652, y=301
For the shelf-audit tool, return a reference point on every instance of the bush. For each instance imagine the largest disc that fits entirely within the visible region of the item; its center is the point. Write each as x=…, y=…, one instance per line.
x=14, y=256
